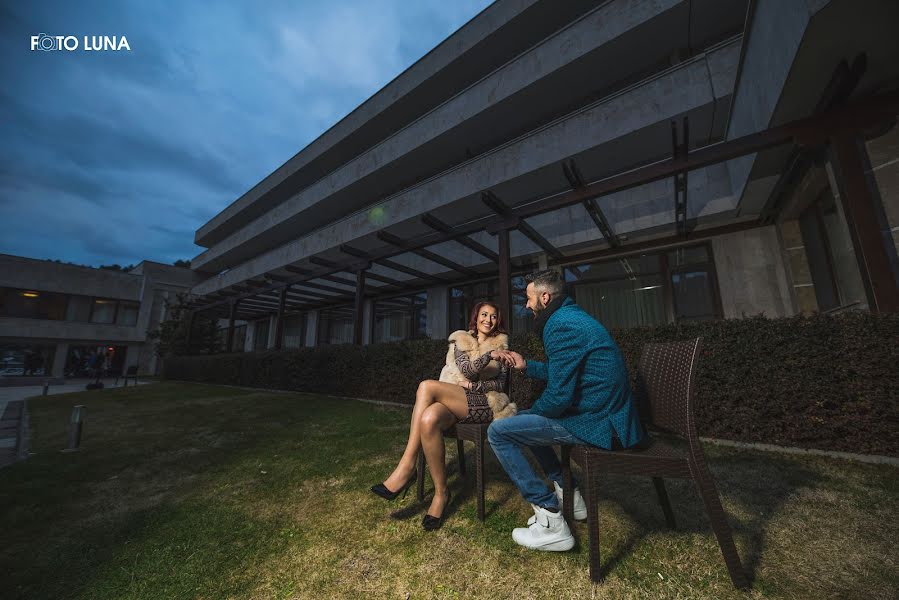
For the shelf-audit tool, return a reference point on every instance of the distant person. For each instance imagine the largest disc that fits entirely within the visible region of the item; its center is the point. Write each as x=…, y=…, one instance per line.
x=587, y=400
x=93, y=360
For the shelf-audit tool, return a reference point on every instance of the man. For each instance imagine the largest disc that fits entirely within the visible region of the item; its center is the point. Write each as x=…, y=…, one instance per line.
x=587, y=401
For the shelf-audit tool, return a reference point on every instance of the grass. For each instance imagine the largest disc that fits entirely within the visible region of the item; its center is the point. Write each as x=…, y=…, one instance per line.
x=190, y=491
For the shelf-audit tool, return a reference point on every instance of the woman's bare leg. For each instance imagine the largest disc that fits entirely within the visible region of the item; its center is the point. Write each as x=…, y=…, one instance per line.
x=429, y=392
x=441, y=415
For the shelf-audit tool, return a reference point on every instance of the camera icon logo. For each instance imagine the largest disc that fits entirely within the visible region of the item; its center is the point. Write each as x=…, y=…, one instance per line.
x=47, y=42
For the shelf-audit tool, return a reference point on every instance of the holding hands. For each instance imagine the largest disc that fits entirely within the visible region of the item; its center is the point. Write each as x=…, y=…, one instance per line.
x=511, y=359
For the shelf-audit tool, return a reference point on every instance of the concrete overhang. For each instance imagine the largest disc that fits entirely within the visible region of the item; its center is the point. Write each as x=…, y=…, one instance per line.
x=48, y=276
x=791, y=55
x=631, y=127
x=557, y=75
x=35, y=330
x=496, y=35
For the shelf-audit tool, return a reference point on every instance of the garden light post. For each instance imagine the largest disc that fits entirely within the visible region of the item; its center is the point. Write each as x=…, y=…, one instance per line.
x=75, y=428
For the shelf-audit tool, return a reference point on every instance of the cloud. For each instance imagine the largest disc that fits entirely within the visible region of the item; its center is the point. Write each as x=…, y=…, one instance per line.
x=118, y=157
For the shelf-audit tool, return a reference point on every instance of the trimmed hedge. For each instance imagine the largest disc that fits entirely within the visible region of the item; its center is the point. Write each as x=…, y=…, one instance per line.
x=827, y=382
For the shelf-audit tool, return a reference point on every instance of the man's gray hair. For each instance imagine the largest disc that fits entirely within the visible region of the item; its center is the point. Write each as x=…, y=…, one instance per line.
x=549, y=280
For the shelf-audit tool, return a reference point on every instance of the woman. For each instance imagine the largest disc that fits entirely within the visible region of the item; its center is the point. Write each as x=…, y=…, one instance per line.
x=440, y=405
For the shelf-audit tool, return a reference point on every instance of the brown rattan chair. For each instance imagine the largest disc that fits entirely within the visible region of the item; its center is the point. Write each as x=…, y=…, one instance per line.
x=469, y=432
x=666, y=390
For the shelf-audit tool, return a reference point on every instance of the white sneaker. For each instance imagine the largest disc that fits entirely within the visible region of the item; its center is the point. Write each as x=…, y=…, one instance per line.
x=545, y=531
x=580, y=507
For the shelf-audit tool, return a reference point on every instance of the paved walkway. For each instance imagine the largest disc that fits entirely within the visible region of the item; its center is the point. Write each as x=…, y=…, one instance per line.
x=13, y=411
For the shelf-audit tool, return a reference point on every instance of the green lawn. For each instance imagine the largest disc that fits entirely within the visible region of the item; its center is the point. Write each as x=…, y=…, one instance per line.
x=189, y=491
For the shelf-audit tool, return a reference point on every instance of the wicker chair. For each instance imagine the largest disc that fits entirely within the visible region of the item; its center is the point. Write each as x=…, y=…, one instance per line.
x=666, y=391
x=470, y=432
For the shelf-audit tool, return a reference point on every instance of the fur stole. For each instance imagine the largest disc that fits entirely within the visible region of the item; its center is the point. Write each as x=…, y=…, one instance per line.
x=468, y=343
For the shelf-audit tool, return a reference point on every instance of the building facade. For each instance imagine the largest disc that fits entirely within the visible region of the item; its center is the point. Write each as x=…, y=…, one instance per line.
x=59, y=320
x=677, y=159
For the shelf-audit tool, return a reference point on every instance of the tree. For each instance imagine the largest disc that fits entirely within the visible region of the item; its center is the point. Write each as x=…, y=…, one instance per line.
x=182, y=262
x=171, y=335
x=116, y=267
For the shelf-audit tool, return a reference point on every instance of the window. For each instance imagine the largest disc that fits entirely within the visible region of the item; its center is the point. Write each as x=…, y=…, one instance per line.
x=103, y=311
x=294, y=335
x=626, y=292
x=336, y=326
x=260, y=335
x=32, y=304
x=240, y=338
x=79, y=308
x=648, y=289
x=693, y=287
x=402, y=318
x=25, y=360
x=128, y=313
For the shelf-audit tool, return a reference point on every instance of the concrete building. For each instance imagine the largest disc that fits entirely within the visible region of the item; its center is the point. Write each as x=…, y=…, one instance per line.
x=679, y=159
x=54, y=316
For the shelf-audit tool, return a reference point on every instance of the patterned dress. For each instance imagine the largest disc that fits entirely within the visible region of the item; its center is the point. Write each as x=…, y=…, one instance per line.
x=478, y=409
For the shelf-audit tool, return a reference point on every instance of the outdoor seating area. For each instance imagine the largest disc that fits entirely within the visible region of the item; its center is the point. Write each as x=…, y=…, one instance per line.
x=190, y=490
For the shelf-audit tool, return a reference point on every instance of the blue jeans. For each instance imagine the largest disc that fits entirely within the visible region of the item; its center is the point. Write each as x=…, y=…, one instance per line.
x=511, y=435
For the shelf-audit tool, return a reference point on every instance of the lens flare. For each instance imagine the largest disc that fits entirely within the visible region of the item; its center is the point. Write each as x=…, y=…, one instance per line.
x=377, y=216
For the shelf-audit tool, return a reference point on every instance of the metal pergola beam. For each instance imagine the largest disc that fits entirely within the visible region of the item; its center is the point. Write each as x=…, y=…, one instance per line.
x=497, y=206
x=385, y=262
x=426, y=254
x=332, y=278
x=352, y=267
x=297, y=290
x=347, y=249
x=438, y=225
x=574, y=177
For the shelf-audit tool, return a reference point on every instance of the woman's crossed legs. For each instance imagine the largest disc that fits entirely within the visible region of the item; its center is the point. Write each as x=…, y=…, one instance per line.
x=438, y=406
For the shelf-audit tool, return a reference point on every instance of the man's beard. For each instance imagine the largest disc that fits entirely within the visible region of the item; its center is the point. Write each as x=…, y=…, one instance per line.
x=538, y=306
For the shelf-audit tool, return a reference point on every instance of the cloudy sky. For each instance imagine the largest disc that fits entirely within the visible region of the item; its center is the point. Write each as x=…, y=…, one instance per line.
x=116, y=157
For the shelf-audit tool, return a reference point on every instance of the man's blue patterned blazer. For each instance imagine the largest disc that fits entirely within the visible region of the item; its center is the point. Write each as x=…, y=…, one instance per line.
x=588, y=389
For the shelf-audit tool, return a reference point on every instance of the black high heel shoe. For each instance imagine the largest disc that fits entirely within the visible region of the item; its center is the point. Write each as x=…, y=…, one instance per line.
x=382, y=491
x=431, y=523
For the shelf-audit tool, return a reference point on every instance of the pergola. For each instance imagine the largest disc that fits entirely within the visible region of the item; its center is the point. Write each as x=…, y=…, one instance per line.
x=356, y=274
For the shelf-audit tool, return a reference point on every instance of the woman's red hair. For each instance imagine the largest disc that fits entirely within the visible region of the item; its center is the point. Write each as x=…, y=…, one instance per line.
x=473, y=319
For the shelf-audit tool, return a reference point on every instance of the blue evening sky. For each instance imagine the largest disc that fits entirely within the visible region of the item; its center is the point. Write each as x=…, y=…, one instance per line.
x=116, y=157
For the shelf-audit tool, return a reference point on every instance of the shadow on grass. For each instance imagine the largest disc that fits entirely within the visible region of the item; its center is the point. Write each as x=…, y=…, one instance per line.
x=756, y=489
x=464, y=487
x=164, y=552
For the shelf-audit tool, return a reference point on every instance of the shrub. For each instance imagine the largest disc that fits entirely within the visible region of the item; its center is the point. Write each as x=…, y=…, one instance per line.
x=826, y=382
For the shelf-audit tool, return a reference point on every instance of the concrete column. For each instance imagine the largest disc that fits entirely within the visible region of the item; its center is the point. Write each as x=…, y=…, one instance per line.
x=272, y=331
x=251, y=334
x=438, y=312
x=59, y=360
x=229, y=344
x=311, y=328
x=751, y=275
x=542, y=263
